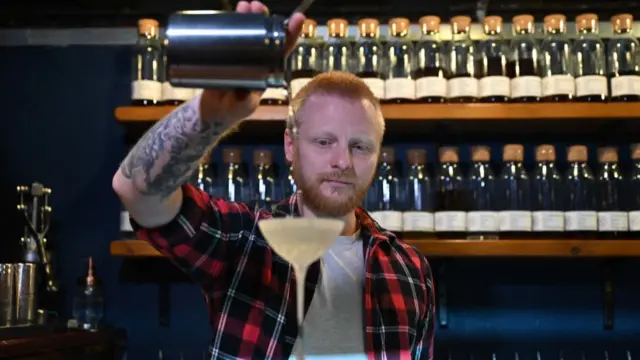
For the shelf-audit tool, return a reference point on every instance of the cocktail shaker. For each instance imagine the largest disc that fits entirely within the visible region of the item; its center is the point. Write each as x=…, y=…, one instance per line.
x=226, y=50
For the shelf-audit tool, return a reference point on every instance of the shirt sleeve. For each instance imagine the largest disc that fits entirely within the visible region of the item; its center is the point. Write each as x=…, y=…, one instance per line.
x=425, y=344
x=203, y=238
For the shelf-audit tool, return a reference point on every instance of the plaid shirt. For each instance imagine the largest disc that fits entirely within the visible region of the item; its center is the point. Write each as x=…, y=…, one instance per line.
x=250, y=290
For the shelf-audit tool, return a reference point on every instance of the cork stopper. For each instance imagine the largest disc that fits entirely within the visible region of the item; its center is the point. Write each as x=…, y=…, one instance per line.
x=309, y=27
x=262, y=157
x=417, y=156
x=368, y=27
x=148, y=27
x=622, y=22
x=513, y=152
x=492, y=24
x=90, y=275
x=545, y=153
x=429, y=24
x=635, y=151
x=587, y=22
x=480, y=153
x=387, y=155
x=577, y=153
x=448, y=154
x=399, y=27
x=523, y=24
x=608, y=154
x=460, y=24
x=555, y=23
x=337, y=27
x=231, y=156
x=206, y=159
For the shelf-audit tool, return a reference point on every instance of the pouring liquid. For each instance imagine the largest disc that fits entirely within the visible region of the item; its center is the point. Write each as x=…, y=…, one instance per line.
x=301, y=242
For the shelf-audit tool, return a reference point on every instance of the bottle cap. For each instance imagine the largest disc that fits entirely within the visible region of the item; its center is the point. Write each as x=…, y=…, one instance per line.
x=545, y=153
x=417, y=156
x=480, y=153
x=577, y=153
x=513, y=152
x=231, y=156
x=448, y=154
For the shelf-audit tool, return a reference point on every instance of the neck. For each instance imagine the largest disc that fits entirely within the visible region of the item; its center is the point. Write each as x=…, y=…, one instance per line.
x=350, y=222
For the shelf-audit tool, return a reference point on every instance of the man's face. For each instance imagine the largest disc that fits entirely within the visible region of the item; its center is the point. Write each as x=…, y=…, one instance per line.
x=335, y=152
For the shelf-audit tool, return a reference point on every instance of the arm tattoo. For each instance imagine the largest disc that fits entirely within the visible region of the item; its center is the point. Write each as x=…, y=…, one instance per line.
x=167, y=154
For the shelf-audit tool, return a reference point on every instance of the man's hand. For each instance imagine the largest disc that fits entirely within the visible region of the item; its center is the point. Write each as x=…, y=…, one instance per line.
x=239, y=104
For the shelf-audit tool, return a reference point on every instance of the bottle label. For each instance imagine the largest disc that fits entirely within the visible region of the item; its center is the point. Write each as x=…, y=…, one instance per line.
x=548, y=221
x=297, y=85
x=613, y=221
x=125, y=223
x=591, y=85
x=463, y=87
x=526, y=86
x=431, y=86
x=417, y=221
x=634, y=220
x=494, y=86
x=390, y=220
x=146, y=90
x=451, y=221
x=274, y=94
x=482, y=221
x=176, y=93
x=515, y=220
x=581, y=221
x=400, y=88
x=376, y=86
x=625, y=85
x=558, y=85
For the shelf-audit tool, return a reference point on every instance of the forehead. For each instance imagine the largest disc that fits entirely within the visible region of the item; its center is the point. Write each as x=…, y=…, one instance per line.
x=332, y=112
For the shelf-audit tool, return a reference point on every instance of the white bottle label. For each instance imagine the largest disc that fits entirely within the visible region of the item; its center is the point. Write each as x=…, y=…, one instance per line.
x=175, y=93
x=274, y=94
x=515, y=220
x=431, y=86
x=376, y=86
x=580, y=221
x=548, y=221
x=146, y=90
x=390, y=220
x=297, y=85
x=526, y=86
x=613, y=221
x=494, y=86
x=451, y=221
x=420, y=221
x=125, y=223
x=591, y=85
x=463, y=87
x=482, y=221
x=558, y=85
x=634, y=220
x=625, y=85
x=400, y=88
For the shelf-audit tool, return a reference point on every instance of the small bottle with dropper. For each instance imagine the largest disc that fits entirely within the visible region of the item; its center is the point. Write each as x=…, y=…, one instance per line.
x=88, y=303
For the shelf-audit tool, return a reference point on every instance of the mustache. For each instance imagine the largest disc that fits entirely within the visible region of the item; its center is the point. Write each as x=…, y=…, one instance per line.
x=343, y=176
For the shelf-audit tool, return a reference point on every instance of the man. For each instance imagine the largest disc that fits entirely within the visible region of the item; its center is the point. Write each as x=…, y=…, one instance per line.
x=371, y=295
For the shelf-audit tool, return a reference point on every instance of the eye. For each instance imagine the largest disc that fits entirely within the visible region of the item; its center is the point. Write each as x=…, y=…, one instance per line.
x=360, y=147
x=323, y=142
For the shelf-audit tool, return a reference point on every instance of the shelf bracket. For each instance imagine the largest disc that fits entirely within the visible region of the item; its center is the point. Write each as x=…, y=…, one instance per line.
x=441, y=292
x=164, y=304
x=608, y=295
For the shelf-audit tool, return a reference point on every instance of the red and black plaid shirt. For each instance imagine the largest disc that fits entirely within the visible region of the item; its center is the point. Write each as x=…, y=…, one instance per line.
x=250, y=290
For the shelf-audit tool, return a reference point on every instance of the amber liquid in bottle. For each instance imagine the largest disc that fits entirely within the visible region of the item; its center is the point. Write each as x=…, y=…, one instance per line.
x=452, y=199
x=430, y=74
x=463, y=83
x=581, y=216
x=623, y=60
x=524, y=67
x=494, y=84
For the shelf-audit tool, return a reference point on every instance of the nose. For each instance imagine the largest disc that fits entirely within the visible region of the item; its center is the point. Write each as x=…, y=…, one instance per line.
x=341, y=158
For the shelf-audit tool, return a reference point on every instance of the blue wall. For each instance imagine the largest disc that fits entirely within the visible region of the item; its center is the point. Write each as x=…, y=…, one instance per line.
x=58, y=128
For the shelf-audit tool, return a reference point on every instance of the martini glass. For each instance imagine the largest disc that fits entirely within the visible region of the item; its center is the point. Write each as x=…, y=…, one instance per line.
x=301, y=242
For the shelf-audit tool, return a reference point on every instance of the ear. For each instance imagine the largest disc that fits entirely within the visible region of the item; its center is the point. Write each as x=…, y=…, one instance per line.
x=288, y=145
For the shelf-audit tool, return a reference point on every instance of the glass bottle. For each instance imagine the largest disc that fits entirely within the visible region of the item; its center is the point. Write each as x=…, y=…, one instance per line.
x=580, y=217
x=558, y=83
x=430, y=76
x=482, y=218
x=494, y=84
x=418, y=213
x=452, y=199
x=203, y=177
x=547, y=199
x=623, y=60
x=524, y=66
x=337, y=50
x=383, y=198
x=370, y=57
x=146, y=85
x=88, y=302
x=234, y=186
x=399, y=85
x=634, y=193
x=613, y=218
x=289, y=183
x=514, y=193
x=305, y=60
x=461, y=52
x=589, y=60
x=264, y=181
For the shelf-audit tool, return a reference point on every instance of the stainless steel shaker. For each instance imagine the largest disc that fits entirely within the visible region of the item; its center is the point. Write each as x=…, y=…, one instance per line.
x=7, y=295
x=25, y=284
x=226, y=50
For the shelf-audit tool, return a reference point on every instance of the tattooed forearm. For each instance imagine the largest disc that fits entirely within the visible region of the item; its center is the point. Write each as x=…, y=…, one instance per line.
x=168, y=153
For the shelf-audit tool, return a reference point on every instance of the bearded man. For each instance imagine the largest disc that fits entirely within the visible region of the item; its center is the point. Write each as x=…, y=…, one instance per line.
x=370, y=296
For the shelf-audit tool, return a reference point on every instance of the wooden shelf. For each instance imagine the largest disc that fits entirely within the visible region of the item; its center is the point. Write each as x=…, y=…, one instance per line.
x=436, y=111
x=467, y=248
